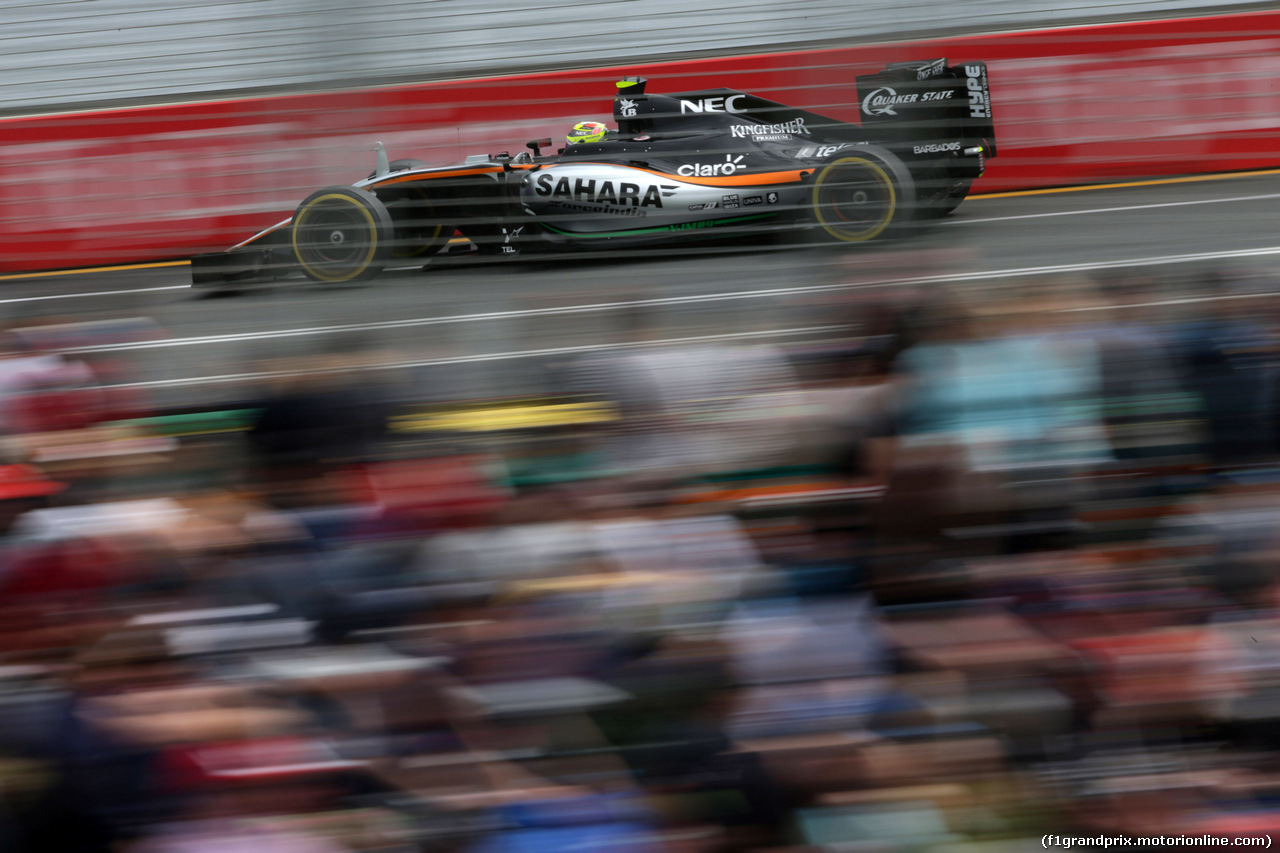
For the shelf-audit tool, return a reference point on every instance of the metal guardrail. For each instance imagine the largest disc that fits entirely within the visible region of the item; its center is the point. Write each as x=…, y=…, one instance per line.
x=62, y=56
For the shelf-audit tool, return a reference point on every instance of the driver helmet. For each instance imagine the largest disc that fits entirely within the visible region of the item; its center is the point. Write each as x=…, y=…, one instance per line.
x=587, y=131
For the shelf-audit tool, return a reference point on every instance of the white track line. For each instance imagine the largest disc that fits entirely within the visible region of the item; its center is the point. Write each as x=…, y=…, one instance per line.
x=666, y=301
x=471, y=318
x=1101, y=210
x=91, y=293
x=731, y=336
x=484, y=357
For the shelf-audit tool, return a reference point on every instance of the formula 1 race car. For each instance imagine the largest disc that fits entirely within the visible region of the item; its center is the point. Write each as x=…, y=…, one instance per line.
x=688, y=166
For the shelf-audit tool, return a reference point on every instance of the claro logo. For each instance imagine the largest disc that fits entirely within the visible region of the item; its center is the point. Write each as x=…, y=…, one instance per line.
x=881, y=102
x=730, y=165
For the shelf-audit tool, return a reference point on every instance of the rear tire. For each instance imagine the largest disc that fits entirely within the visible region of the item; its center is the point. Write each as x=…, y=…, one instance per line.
x=342, y=234
x=862, y=196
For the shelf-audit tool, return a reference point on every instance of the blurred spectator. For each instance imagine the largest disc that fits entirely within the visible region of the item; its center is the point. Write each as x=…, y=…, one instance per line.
x=948, y=578
x=321, y=414
x=44, y=391
x=692, y=409
x=1002, y=385
x=1143, y=394
x=594, y=825
x=998, y=411
x=1244, y=638
x=1225, y=352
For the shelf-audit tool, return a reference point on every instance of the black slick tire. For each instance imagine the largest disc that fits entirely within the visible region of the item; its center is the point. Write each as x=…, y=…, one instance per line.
x=341, y=234
x=861, y=195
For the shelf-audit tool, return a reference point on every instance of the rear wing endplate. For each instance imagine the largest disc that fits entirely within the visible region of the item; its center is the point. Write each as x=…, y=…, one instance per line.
x=927, y=99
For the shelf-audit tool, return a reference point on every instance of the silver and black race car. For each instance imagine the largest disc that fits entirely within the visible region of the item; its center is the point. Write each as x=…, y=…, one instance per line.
x=710, y=164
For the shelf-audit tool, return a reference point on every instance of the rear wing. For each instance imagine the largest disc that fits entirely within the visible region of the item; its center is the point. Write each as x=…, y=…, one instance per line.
x=929, y=99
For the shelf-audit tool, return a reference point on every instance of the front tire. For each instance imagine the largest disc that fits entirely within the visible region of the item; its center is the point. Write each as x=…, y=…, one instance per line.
x=862, y=196
x=342, y=234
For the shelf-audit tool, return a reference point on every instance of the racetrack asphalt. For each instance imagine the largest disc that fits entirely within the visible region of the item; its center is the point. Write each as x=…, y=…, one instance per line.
x=481, y=331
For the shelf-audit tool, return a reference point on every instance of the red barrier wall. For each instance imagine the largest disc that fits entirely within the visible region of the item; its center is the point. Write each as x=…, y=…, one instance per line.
x=1072, y=106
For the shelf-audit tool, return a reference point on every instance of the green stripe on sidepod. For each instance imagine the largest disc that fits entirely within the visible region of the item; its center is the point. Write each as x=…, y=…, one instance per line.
x=691, y=226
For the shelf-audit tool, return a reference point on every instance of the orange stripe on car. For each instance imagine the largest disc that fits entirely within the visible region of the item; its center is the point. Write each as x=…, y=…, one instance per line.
x=456, y=173
x=756, y=179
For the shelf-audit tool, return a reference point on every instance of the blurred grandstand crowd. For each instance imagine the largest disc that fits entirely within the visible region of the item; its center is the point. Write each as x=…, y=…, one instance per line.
x=996, y=562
